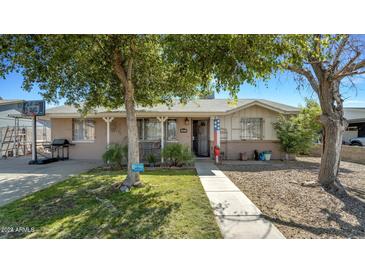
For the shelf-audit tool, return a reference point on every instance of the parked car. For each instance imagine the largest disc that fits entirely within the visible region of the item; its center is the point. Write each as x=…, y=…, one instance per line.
x=359, y=141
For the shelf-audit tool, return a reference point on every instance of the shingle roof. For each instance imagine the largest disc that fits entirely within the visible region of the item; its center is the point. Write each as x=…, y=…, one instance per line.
x=355, y=114
x=7, y=119
x=194, y=106
x=10, y=101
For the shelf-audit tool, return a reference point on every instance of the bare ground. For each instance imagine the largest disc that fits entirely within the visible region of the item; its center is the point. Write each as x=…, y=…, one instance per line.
x=276, y=187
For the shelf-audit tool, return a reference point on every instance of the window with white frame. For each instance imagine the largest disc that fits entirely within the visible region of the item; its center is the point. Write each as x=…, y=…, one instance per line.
x=149, y=129
x=152, y=129
x=83, y=129
x=252, y=128
x=170, y=130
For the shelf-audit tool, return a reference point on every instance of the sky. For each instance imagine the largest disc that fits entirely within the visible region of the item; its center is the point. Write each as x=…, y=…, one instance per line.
x=282, y=89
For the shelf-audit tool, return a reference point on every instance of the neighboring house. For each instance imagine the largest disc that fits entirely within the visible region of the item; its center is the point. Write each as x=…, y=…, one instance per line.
x=11, y=108
x=12, y=104
x=356, y=119
x=245, y=127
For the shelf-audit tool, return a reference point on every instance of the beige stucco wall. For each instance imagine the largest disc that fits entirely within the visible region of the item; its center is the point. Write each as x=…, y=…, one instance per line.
x=232, y=123
x=348, y=153
x=62, y=128
x=118, y=131
x=232, y=145
x=183, y=138
x=232, y=149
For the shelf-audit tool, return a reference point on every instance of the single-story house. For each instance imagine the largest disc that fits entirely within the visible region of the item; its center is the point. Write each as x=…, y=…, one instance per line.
x=356, y=119
x=246, y=125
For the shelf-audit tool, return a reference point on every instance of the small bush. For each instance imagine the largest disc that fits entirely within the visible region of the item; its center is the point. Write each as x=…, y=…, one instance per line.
x=116, y=155
x=297, y=134
x=151, y=158
x=177, y=154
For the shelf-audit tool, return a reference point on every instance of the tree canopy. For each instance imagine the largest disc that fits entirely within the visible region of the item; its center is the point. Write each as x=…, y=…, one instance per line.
x=80, y=68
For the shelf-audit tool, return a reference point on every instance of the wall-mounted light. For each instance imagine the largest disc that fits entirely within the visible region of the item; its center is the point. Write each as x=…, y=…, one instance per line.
x=186, y=121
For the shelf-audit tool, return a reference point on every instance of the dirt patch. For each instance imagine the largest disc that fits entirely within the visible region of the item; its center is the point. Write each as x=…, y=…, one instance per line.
x=287, y=195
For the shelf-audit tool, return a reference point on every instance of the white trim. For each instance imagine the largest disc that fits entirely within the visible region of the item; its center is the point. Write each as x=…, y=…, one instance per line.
x=162, y=120
x=83, y=142
x=108, y=120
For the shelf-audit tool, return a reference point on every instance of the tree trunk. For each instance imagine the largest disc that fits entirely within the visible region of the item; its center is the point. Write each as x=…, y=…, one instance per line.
x=125, y=76
x=334, y=126
x=331, y=156
x=133, y=178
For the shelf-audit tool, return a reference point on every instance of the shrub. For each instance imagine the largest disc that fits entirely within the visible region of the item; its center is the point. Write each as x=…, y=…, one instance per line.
x=297, y=134
x=177, y=154
x=151, y=158
x=187, y=157
x=116, y=155
x=288, y=134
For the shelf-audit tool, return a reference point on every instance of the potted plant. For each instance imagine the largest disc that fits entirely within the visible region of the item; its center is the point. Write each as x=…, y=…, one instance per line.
x=151, y=158
x=267, y=155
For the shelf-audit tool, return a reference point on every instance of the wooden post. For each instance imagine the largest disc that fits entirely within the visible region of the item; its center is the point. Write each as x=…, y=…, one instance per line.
x=162, y=120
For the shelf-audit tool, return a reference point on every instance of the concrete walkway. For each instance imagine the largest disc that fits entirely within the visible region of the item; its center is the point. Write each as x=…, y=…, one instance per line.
x=18, y=179
x=236, y=215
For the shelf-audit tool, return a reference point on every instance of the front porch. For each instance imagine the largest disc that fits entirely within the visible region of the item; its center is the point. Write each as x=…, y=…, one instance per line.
x=154, y=133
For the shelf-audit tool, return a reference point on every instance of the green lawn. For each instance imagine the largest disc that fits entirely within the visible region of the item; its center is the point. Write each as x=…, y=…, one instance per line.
x=171, y=205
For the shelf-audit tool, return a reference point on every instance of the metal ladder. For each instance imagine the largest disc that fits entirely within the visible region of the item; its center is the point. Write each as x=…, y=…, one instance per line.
x=14, y=142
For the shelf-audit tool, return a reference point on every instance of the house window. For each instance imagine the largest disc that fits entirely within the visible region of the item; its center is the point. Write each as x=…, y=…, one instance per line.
x=252, y=128
x=83, y=129
x=152, y=129
x=170, y=130
x=149, y=129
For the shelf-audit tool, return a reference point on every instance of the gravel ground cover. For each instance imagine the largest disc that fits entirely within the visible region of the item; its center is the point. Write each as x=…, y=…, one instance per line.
x=301, y=210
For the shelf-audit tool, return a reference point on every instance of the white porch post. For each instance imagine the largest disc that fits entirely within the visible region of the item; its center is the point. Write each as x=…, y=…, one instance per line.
x=162, y=120
x=108, y=120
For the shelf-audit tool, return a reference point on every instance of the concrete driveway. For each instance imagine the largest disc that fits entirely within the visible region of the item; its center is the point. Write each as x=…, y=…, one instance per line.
x=18, y=179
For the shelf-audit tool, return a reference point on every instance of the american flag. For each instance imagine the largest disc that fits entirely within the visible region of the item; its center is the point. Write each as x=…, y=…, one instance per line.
x=217, y=130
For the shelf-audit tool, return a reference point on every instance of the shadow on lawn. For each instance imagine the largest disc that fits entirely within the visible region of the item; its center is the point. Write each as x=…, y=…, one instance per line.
x=91, y=212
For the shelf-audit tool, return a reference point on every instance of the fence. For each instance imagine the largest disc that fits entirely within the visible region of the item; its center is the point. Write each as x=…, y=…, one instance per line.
x=354, y=154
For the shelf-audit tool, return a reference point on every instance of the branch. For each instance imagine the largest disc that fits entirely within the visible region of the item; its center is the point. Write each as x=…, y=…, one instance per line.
x=359, y=65
x=129, y=71
x=352, y=73
x=347, y=68
x=118, y=68
x=312, y=81
x=336, y=59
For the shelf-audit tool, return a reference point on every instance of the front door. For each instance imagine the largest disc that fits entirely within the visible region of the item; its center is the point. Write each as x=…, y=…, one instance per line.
x=200, y=138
